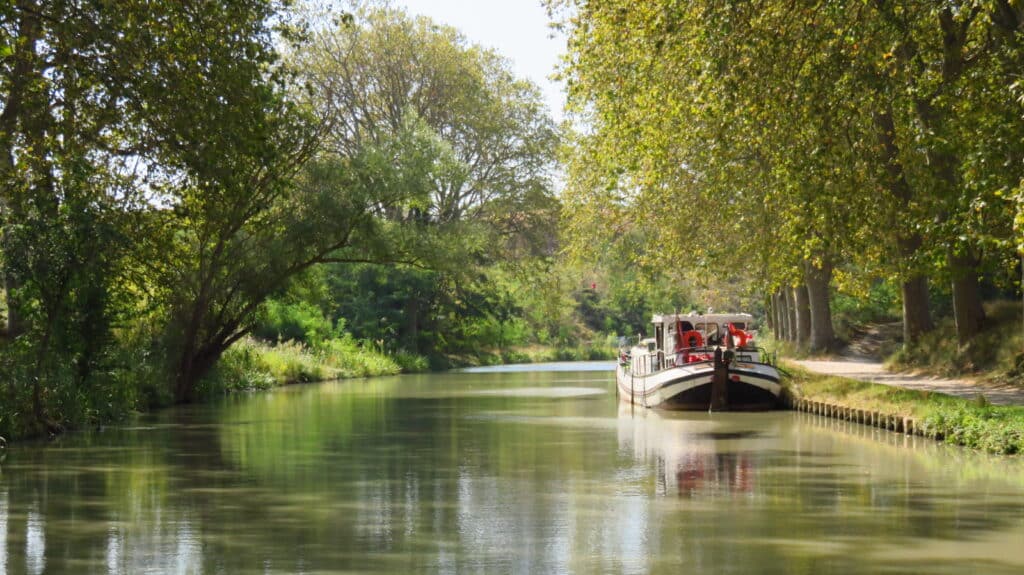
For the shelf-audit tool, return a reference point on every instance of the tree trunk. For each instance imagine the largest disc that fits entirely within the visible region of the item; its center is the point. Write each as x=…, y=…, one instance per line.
x=783, y=316
x=769, y=309
x=776, y=313
x=803, y=314
x=19, y=101
x=193, y=367
x=818, y=280
x=967, y=309
x=916, y=317
x=790, y=314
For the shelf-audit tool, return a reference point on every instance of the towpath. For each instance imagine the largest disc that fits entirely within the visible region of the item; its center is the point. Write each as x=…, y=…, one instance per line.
x=862, y=360
x=873, y=371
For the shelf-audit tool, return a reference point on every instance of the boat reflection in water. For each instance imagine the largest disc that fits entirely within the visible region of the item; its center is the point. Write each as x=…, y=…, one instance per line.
x=695, y=453
x=732, y=471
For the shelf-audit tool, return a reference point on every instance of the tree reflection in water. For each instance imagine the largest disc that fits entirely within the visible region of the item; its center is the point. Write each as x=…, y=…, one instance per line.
x=427, y=474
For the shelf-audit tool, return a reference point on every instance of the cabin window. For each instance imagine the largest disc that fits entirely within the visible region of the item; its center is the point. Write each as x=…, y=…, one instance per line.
x=710, y=331
x=739, y=324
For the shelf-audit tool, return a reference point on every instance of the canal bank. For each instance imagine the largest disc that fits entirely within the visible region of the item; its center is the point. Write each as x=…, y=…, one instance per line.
x=970, y=422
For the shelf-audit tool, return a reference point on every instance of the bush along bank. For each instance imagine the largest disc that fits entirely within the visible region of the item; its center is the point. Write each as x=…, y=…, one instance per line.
x=597, y=351
x=970, y=423
x=253, y=364
x=995, y=354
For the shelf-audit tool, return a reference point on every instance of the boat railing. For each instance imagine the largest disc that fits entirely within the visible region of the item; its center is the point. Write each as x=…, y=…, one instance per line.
x=656, y=361
x=763, y=355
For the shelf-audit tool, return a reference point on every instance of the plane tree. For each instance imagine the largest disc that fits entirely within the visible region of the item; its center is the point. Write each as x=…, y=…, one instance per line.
x=851, y=135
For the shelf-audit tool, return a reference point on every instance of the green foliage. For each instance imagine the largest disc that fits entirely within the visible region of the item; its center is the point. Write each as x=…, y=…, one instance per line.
x=776, y=138
x=353, y=359
x=878, y=304
x=252, y=364
x=301, y=321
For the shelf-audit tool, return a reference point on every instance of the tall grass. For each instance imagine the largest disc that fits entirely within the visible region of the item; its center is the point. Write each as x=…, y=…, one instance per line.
x=352, y=359
x=255, y=364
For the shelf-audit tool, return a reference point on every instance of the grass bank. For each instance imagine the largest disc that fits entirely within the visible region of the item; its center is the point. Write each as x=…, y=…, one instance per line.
x=254, y=364
x=976, y=424
x=537, y=354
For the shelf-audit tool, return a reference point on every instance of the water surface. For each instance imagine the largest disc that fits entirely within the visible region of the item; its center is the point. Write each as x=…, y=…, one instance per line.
x=500, y=471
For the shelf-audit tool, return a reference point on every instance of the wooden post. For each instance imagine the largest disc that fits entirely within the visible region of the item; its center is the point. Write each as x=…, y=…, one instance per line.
x=719, y=383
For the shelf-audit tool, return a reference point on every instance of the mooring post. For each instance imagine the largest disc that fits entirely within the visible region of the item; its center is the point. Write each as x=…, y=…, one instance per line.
x=720, y=383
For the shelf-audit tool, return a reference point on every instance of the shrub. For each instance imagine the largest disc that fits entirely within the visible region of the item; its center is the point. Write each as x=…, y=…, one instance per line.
x=356, y=360
x=301, y=321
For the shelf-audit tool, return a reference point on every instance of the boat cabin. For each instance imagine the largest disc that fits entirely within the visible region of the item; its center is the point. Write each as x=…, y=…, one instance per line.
x=702, y=333
x=713, y=328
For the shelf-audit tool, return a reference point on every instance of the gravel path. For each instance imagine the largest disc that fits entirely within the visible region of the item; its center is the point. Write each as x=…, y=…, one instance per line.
x=873, y=371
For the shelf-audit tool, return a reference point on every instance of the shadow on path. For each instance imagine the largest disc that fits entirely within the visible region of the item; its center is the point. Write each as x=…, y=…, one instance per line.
x=873, y=371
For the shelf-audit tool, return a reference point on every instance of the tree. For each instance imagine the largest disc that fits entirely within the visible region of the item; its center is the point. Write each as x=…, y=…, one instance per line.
x=480, y=189
x=847, y=135
x=76, y=141
x=493, y=159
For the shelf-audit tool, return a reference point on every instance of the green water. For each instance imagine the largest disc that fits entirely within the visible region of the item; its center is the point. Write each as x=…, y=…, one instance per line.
x=503, y=472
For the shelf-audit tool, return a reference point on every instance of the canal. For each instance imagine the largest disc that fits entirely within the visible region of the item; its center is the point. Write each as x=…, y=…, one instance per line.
x=514, y=470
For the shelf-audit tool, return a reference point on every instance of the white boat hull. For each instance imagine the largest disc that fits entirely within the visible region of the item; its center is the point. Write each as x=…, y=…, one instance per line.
x=751, y=386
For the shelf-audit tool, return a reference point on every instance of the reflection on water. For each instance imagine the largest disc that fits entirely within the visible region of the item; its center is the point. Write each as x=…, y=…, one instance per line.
x=3, y=531
x=501, y=472
x=35, y=543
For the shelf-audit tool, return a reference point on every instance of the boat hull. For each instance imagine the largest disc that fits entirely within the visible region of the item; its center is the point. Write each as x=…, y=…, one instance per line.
x=750, y=387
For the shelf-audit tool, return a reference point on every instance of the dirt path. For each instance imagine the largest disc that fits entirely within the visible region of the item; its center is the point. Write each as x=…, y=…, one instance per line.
x=862, y=360
x=873, y=371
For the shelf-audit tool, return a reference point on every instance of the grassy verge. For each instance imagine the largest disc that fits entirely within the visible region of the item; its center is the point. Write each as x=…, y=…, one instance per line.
x=253, y=364
x=976, y=424
x=535, y=354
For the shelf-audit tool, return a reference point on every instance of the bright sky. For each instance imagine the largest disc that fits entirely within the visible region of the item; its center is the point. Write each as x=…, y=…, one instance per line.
x=516, y=29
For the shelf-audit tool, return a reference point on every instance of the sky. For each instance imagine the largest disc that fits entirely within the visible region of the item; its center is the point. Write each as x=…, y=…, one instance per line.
x=516, y=29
